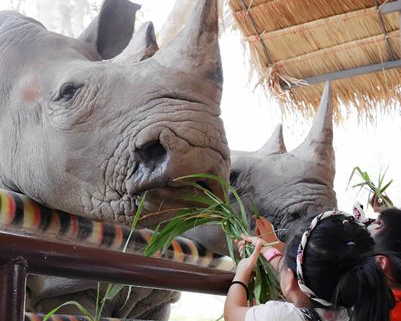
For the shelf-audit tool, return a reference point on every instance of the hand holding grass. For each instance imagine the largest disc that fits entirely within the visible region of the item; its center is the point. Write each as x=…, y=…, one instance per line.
x=247, y=265
x=270, y=253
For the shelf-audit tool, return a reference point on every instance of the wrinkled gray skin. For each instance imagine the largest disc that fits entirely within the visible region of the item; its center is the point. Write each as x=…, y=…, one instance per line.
x=287, y=185
x=87, y=125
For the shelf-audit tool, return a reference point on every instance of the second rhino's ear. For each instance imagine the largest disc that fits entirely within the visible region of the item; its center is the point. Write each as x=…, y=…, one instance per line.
x=111, y=31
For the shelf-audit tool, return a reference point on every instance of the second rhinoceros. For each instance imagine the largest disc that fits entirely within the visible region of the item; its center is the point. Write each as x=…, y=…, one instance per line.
x=287, y=185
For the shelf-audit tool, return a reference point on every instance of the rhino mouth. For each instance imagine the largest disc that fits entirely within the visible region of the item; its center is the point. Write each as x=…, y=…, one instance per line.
x=163, y=203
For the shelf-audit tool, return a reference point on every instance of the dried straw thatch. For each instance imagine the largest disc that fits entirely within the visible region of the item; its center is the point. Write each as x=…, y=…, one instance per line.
x=290, y=40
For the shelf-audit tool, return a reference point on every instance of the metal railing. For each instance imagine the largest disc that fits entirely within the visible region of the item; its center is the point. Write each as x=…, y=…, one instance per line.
x=22, y=254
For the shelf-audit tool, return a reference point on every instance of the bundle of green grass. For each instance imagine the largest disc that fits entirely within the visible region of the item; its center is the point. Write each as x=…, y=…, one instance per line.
x=214, y=210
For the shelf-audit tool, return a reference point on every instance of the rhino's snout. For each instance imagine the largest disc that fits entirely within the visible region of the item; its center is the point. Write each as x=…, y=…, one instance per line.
x=160, y=161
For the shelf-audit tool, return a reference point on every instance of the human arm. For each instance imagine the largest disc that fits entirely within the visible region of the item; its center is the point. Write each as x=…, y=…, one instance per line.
x=236, y=304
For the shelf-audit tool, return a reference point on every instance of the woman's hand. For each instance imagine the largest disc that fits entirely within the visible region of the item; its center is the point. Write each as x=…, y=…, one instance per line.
x=246, y=266
x=264, y=229
x=268, y=252
x=248, y=239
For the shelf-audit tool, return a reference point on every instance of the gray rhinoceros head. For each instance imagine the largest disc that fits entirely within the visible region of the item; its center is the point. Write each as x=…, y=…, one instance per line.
x=87, y=125
x=287, y=185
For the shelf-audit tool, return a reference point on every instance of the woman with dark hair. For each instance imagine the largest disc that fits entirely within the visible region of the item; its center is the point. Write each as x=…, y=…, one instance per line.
x=386, y=231
x=328, y=272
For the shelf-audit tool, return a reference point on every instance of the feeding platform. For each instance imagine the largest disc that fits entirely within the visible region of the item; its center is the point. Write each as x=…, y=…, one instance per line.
x=296, y=45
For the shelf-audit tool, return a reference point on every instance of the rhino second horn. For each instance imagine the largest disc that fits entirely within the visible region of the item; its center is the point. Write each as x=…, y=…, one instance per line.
x=143, y=45
x=318, y=145
x=275, y=144
x=195, y=51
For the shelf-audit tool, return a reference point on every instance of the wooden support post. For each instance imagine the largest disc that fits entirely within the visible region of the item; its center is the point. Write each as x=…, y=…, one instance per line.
x=12, y=290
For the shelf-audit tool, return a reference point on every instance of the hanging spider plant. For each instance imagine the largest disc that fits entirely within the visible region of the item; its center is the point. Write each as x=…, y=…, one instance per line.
x=377, y=197
x=214, y=210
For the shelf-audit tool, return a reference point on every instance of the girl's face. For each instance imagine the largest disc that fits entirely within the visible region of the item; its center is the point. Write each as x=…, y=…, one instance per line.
x=375, y=227
x=287, y=279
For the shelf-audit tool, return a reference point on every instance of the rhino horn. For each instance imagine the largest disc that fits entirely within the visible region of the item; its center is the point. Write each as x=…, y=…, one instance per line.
x=318, y=145
x=195, y=51
x=142, y=45
x=275, y=144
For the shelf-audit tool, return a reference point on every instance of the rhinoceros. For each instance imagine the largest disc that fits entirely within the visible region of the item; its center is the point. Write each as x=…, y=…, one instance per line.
x=87, y=125
x=283, y=185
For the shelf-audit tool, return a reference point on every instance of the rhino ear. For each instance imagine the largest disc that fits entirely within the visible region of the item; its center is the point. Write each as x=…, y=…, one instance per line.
x=142, y=46
x=111, y=31
x=275, y=144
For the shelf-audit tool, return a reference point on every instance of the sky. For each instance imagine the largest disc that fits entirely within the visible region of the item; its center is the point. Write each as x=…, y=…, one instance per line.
x=250, y=117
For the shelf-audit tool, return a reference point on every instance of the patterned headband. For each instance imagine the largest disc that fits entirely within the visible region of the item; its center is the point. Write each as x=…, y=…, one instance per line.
x=300, y=254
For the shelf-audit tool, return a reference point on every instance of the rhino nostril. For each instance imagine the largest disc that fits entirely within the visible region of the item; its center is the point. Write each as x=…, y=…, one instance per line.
x=151, y=154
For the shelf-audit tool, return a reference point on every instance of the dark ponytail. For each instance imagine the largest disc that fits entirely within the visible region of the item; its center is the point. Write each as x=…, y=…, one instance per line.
x=364, y=288
x=339, y=267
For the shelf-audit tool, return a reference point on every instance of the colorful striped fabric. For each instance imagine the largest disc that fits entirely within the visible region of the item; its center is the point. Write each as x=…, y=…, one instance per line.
x=20, y=214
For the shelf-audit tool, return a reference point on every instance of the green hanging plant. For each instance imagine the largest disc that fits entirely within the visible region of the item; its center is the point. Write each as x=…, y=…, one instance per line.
x=377, y=197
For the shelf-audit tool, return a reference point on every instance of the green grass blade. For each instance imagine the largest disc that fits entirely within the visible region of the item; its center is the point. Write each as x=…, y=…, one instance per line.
x=84, y=311
x=224, y=183
x=386, y=186
x=97, y=298
x=112, y=291
x=258, y=285
x=199, y=199
x=135, y=221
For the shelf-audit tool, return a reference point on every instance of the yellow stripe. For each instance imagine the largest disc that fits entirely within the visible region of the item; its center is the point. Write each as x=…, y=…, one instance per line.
x=178, y=253
x=31, y=219
x=97, y=233
x=6, y=215
x=118, y=237
x=194, y=256
x=207, y=259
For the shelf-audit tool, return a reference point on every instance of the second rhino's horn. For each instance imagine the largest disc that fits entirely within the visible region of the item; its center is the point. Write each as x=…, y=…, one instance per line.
x=318, y=145
x=195, y=50
x=275, y=144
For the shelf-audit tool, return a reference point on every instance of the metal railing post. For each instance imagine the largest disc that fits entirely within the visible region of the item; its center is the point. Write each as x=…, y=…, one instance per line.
x=12, y=289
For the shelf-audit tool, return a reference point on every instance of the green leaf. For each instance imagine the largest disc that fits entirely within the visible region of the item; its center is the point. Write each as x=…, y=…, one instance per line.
x=112, y=291
x=225, y=184
x=386, y=186
x=257, y=288
x=84, y=311
x=198, y=199
x=97, y=298
x=136, y=219
x=217, y=211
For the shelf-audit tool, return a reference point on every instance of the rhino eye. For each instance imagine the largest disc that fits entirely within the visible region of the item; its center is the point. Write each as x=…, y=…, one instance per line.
x=67, y=92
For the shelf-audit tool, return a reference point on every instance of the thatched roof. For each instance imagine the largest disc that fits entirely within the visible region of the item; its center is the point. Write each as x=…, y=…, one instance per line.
x=293, y=40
